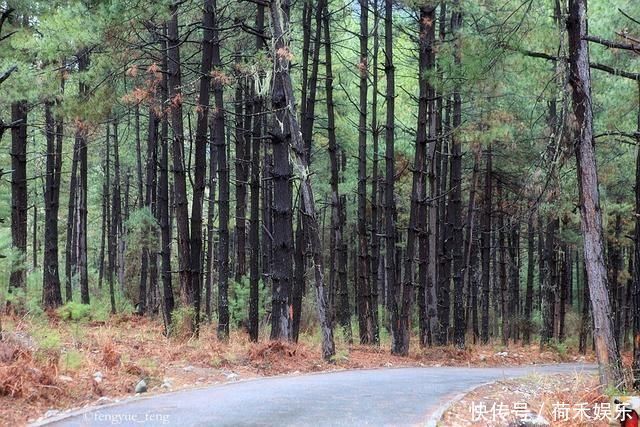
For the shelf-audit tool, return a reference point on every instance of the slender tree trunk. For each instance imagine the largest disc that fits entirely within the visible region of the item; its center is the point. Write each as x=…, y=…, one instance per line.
x=163, y=201
x=179, y=173
x=337, y=254
x=254, y=230
x=363, y=285
x=636, y=263
x=208, y=23
x=241, y=169
x=399, y=342
x=52, y=294
x=376, y=209
x=528, y=302
x=455, y=204
x=486, y=246
x=81, y=138
x=547, y=308
x=590, y=212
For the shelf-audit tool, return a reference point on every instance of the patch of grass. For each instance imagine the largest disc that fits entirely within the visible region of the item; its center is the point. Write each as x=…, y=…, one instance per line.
x=71, y=360
x=47, y=338
x=75, y=311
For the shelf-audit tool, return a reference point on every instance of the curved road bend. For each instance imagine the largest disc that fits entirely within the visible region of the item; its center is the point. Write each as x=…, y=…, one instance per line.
x=397, y=396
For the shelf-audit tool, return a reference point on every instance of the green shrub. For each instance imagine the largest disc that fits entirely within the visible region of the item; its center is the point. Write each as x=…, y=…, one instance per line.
x=239, y=301
x=75, y=311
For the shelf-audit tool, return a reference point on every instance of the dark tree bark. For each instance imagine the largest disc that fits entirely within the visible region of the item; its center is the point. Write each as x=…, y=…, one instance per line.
x=282, y=196
x=548, y=295
x=297, y=289
x=403, y=328
x=139, y=175
x=199, y=184
x=111, y=238
x=585, y=320
x=337, y=253
x=363, y=284
x=81, y=139
x=218, y=139
x=52, y=294
x=283, y=96
x=514, y=278
x=590, y=212
x=397, y=298
x=486, y=246
x=308, y=112
x=502, y=266
x=528, y=301
x=636, y=264
x=254, y=229
x=241, y=168
x=455, y=187
x=376, y=208
x=163, y=202
x=116, y=221
x=470, y=253
x=19, y=195
x=444, y=234
x=179, y=173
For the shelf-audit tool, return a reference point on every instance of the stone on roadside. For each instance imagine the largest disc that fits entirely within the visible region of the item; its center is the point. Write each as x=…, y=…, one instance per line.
x=141, y=387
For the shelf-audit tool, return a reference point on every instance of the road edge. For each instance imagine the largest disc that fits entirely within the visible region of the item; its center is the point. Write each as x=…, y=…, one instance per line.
x=437, y=415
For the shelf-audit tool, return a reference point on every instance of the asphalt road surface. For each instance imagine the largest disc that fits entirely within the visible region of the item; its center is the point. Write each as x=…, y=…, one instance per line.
x=398, y=397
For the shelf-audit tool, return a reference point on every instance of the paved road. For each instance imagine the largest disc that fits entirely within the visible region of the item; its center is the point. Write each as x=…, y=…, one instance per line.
x=402, y=396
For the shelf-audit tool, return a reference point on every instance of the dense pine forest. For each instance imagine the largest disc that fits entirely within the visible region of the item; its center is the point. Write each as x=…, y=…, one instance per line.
x=403, y=173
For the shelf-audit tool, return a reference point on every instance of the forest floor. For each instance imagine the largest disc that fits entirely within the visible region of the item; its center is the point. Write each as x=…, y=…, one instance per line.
x=48, y=365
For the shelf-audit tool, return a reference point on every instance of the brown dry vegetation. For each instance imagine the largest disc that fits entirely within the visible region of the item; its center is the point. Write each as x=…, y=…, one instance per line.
x=540, y=393
x=51, y=364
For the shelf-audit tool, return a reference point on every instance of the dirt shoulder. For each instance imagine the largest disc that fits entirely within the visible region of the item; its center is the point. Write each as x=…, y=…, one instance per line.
x=50, y=365
x=558, y=400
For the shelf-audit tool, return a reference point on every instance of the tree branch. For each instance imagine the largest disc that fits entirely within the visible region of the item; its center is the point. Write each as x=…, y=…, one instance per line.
x=5, y=75
x=594, y=65
x=612, y=44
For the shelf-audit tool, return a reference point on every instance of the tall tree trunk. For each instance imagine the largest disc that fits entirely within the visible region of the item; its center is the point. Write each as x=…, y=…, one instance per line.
x=337, y=254
x=591, y=215
x=636, y=263
x=363, y=285
x=528, y=301
x=241, y=169
x=376, y=208
x=163, y=201
x=399, y=342
x=455, y=203
x=208, y=22
x=81, y=138
x=18, y=277
x=284, y=104
x=218, y=139
x=486, y=246
x=254, y=229
x=547, y=307
x=502, y=266
x=52, y=294
x=179, y=173
x=514, y=278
